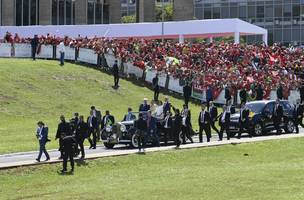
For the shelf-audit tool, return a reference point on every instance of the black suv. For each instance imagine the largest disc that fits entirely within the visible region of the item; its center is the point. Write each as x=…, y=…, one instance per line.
x=260, y=117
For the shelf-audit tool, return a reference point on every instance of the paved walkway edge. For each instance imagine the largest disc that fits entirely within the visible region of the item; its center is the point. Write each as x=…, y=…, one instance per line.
x=154, y=149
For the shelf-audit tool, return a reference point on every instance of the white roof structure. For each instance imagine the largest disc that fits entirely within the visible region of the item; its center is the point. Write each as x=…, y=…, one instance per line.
x=178, y=29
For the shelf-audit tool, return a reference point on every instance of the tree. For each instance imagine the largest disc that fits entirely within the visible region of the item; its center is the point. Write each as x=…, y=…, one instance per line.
x=128, y=19
x=168, y=12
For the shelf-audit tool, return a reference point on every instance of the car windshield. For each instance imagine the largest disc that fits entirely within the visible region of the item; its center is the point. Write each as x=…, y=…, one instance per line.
x=255, y=107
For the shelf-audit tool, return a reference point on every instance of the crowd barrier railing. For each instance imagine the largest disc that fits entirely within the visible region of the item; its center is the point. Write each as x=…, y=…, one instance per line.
x=90, y=57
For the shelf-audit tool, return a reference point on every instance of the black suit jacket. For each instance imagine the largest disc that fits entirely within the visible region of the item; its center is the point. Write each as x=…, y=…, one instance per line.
x=170, y=122
x=82, y=130
x=227, y=119
x=243, y=95
x=207, y=119
x=63, y=128
x=244, y=116
x=213, y=113
x=94, y=122
x=141, y=124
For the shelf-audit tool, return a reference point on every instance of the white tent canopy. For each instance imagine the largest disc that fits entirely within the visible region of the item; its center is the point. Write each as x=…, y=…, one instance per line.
x=181, y=29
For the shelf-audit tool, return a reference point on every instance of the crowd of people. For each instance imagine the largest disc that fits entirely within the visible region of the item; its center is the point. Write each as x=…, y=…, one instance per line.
x=205, y=65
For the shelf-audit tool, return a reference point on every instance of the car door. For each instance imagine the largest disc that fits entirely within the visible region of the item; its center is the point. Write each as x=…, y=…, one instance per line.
x=267, y=116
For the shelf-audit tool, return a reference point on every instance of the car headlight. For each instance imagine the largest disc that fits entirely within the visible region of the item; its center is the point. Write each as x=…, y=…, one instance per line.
x=123, y=128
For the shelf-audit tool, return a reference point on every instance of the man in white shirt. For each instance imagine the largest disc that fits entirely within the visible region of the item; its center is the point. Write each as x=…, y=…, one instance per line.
x=61, y=49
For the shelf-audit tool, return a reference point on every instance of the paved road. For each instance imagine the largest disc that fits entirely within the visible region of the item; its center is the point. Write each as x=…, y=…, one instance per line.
x=28, y=158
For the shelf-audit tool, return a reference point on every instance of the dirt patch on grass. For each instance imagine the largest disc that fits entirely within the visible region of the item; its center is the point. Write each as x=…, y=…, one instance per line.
x=5, y=98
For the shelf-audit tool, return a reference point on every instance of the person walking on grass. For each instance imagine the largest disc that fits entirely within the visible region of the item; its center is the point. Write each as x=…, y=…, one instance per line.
x=42, y=136
x=116, y=74
x=61, y=48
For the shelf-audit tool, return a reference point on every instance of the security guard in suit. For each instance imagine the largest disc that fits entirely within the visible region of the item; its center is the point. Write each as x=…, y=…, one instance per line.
x=224, y=122
x=68, y=146
x=243, y=120
x=204, y=124
x=63, y=129
x=213, y=116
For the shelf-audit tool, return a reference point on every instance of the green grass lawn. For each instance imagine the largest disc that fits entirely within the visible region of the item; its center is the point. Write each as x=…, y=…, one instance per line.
x=273, y=170
x=42, y=90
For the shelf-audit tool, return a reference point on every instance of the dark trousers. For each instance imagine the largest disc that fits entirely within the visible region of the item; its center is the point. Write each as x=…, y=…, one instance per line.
x=156, y=94
x=206, y=128
x=34, y=50
x=61, y=58
x=243, y=126
x=42, y=149
x=116, y=80
x=186, y=134
x=80, y=144
x=68, y=155
x=92, y=131
x=298, y=121
x=177, y=137
x=224, y=127
x=212, y=125
x=60, y=148
x=186, y=99
x=141, y=140
x=167, y=132
x=277, y=124
x=154, y=136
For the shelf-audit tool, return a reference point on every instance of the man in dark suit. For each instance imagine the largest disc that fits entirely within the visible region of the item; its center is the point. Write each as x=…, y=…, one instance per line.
x=186, y=126
x=187, y=91
x=130, y=116
x=93, y=127
x=243, y=95
x=82, y=130
x=177, y=127
x=278, y=116
x=204, y=124
x=68, y=145
x=152, y=128
x=34, y=45
x=280, y=92
x=243, y=120
x=155, y=87
x=63, y=129
x=98, y=116
x=259, y=93
x=141, y=126
x=107, y=120
x=144, y=107
x=213, y=116
x=167, y=126
x=116, y=74
x=224, y=123
x=166, y=106
x=42, y=136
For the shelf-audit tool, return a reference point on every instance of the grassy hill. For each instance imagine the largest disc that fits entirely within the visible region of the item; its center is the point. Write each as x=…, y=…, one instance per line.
x=42, y=90
x=272, y=170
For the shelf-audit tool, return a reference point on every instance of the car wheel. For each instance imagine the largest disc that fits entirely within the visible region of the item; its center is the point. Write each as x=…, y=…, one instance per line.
x=108, y=145
x=134, y=141
x=258, y=129
x=289, y=127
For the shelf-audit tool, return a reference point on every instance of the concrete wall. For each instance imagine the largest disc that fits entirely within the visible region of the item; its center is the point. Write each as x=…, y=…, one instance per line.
x=45, y=12
x=114, y=11
x=145, y=11
x=8, y=13
x=81, y=12
x=183, y=10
